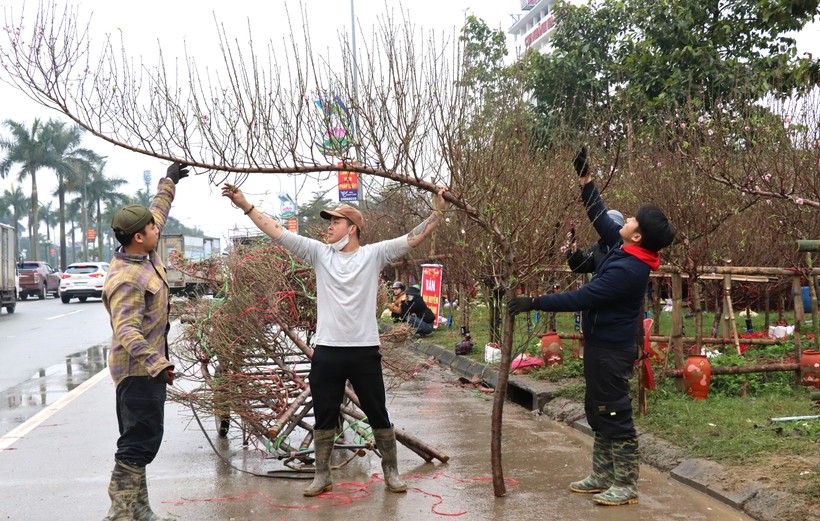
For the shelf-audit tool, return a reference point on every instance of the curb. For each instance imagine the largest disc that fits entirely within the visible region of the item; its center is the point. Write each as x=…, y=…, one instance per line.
x=703, y=475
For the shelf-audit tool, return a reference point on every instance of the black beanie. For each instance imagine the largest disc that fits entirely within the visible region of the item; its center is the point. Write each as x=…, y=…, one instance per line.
x=656, y=230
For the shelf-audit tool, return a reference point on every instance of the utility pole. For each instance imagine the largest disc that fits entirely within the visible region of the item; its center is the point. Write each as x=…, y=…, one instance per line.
x=146, y=177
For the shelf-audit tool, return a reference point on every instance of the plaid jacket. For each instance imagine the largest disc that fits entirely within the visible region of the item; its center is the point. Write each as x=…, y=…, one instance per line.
x=136, y=297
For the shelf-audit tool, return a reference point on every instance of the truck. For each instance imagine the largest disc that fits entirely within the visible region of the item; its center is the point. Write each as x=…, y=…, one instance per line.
x=194, y=249
x=8, y=269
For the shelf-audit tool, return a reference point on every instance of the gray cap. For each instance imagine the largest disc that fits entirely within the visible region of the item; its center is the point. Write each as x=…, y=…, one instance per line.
x=616, y=216
x=131, y=219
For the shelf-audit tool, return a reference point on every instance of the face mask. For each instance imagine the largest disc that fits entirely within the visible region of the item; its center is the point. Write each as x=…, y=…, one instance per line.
x=341, y=243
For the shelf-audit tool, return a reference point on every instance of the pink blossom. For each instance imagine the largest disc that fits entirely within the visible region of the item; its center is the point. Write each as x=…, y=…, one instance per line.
x=701, y=119
x=683, y=125
x=788, y=119
x=799, y=200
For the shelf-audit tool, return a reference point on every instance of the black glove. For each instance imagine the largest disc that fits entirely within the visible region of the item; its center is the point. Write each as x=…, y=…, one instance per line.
x=176, y=172
x=166, y=376
x=581, y=162
x=520, y=305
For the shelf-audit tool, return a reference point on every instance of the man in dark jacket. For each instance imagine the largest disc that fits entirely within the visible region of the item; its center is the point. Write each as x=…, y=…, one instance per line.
x=586, y=261
x=417, y=314
x=612, y=304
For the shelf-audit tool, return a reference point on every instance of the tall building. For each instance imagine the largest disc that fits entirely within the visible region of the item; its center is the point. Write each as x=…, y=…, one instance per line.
x=534, y=26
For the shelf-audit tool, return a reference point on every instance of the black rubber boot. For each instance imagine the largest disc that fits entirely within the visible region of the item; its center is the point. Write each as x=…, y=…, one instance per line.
x=323, y=444
x=386, y=443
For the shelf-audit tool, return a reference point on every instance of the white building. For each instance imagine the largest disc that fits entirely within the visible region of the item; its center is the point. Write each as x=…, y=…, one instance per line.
x=534, y=27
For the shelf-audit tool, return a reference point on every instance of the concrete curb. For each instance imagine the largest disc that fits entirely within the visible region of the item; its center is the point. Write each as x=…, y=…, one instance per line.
x=755, y=500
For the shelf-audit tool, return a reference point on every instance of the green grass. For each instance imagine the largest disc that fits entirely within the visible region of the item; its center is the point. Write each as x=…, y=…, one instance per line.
x=731, y=427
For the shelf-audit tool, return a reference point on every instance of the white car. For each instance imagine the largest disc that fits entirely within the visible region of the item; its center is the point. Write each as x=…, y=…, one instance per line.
x=82, y=280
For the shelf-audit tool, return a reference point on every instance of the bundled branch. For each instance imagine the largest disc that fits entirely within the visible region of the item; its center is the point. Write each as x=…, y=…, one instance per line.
x=247, y=350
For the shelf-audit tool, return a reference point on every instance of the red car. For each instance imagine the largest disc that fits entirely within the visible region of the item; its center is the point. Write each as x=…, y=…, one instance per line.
x=38, y=278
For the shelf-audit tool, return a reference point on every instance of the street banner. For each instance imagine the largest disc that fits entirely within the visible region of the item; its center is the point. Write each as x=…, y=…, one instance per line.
x=287, y=208
x=348, y=186
x=293, y=225
x=431, y=288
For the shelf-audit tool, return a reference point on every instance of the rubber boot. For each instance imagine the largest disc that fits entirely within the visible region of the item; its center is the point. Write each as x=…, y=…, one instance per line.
x=323, y=444
x=124, y=490
x=627, y=464
x=386, y=443
x=143, y=512
x=603, y=472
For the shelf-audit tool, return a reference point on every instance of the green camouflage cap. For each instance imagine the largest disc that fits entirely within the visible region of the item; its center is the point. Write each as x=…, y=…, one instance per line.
x=131, y=219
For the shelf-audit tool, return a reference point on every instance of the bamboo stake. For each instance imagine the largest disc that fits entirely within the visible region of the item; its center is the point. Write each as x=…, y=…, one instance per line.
x=730, y=315
x=798, y=319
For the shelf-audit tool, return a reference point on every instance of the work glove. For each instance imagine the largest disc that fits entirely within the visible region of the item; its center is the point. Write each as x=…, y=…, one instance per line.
x=520, y=305
x=176, y=172
x=581, y=162
x=166, y=376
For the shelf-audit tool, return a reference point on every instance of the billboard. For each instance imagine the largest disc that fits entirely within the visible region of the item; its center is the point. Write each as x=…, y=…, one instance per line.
x=348, y=187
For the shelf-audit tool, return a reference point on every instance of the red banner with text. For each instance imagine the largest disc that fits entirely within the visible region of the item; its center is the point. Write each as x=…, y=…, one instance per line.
x=431, y=288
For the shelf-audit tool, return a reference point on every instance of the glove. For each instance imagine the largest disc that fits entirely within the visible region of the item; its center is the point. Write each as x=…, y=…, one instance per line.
x=520, y=305
x=176, y=172
x=581, y=162
x=166, y=376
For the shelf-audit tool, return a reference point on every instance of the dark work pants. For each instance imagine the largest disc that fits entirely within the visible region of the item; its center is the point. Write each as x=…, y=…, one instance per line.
x=331, y=367
x=141, y=417
x=607, y=404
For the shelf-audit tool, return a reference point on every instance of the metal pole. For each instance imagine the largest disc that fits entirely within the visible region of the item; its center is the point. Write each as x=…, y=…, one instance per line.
x=355, y=104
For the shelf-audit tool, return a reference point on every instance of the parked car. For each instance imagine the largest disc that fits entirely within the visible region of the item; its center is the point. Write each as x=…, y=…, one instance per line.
x=82, y=280
x=38, y=278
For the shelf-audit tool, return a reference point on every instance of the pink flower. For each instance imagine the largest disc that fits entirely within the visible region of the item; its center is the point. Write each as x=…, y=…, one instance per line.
x=683, y=125
x=799, y=200
x=788, y=119
x=701, y=119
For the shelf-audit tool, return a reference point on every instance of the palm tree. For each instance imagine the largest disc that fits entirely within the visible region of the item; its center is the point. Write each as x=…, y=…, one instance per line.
x=27, y=149
x=101, y=189
x=50, y=218
x=14, y=203
x=74, y=217
x=70, y=163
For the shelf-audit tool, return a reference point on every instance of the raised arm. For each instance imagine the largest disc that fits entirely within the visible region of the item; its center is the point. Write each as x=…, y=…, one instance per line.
x=426, y=227
x=271, y=227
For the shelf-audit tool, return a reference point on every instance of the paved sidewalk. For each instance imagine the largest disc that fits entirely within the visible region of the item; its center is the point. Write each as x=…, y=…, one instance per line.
x=60, y=469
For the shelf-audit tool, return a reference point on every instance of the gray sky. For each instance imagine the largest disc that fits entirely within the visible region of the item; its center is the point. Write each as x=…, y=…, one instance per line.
x=173, y=24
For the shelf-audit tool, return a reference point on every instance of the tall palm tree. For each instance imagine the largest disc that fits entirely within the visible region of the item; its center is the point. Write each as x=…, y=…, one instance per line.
x=26, y=148
x=101, y=189
x=50, y=217
x=70, y=162
x=14, y=203
x=74, y=218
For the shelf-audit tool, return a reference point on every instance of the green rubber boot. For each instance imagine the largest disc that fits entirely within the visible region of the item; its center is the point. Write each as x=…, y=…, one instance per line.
x=123, y=490
x=627, y=463
x=602, y=468
x=323, y=444
x=386, y=443
x=142, y=511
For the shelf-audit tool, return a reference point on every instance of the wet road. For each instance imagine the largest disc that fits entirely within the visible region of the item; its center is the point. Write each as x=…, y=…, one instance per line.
x=60, y=468
x=46, y=349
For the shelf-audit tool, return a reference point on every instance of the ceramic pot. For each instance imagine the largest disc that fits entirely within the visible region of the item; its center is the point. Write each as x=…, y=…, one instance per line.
x=810, y=367
x=697, y=373
x=552, y=352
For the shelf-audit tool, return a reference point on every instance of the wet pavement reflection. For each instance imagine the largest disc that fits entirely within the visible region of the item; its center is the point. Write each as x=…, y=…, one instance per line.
x=49, y=384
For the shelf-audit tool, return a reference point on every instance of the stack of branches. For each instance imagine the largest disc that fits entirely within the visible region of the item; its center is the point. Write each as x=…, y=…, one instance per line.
x=247, y=349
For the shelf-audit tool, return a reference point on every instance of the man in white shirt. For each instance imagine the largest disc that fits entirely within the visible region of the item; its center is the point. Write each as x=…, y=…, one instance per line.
x=347, y=335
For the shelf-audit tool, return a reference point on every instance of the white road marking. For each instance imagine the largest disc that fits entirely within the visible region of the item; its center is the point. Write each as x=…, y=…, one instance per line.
x=65, y=314
x=8, y=440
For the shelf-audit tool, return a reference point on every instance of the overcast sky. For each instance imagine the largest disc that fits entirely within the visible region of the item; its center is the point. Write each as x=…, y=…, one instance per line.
x=174, y=23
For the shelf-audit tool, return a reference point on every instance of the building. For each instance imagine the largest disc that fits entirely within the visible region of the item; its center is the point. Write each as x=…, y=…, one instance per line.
x=534, y=27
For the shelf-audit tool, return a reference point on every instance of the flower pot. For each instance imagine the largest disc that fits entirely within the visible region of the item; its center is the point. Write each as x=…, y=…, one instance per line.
x=697, y=372
x=551, y=350
x=810, y=367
